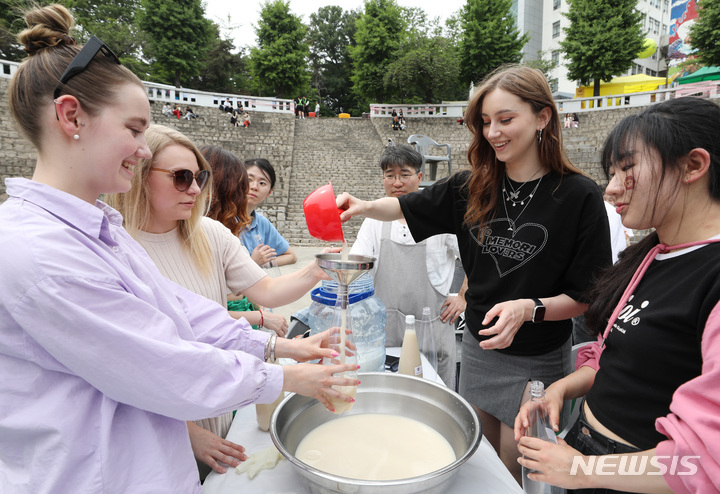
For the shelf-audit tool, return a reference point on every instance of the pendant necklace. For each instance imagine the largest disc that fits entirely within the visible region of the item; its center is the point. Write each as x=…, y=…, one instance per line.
x=523, y=202
x=513, y=195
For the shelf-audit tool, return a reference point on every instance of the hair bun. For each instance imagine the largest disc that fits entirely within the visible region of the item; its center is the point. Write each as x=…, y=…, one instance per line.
x=46, y=27
x=34, y=46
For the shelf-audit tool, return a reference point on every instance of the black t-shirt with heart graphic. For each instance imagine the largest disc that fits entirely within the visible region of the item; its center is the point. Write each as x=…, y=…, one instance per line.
x=552, y=243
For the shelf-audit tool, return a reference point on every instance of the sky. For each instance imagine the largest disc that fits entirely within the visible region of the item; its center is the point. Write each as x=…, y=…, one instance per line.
x=244, y=14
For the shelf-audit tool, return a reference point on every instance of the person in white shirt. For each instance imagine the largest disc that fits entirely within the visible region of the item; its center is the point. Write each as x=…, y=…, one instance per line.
x=398, y=253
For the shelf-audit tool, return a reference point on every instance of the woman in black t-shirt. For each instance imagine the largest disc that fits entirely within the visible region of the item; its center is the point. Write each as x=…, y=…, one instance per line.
x=532, y=232
x=651, y=381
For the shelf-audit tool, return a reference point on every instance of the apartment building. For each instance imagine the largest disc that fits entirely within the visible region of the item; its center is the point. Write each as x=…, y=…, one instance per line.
x=544, y=21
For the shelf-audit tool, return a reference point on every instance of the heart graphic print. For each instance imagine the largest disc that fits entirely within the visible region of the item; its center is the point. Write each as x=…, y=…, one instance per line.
x=510, y=247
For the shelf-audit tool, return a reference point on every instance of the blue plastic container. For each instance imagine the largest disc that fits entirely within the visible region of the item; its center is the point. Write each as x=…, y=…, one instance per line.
x=368, y=319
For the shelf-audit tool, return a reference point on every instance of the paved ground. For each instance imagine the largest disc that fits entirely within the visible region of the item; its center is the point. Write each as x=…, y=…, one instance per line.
x=305, y=255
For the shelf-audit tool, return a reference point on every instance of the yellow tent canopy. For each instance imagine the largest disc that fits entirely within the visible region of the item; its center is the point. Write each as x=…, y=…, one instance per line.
x=622, y=85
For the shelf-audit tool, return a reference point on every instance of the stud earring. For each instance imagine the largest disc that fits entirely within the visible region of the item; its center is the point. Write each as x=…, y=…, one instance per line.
x=76, y=137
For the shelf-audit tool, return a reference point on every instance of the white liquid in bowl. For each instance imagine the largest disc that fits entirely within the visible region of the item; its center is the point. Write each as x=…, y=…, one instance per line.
x=375, y=447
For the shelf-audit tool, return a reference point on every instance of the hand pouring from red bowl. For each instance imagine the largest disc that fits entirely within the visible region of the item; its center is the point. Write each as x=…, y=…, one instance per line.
x=322, y=215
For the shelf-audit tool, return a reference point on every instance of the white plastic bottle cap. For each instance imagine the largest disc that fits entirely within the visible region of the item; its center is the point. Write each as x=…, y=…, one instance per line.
x=410, y=319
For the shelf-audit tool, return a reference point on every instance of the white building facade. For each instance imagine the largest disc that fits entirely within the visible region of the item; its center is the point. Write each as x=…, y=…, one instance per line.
x=549, y=15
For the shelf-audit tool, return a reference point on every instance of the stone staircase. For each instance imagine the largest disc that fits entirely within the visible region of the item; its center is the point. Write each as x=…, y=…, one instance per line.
x=342, y=151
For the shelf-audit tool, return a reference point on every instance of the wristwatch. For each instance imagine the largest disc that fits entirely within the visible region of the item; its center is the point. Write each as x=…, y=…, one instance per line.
x=538, y=314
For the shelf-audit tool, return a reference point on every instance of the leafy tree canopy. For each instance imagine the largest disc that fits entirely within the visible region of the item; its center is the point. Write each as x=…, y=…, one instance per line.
x=603, y=39
x=489, y=38
x=379, y=32
x=279, y=61
x=330, y=36
x=705, y=33
x=178, y=37
x=116, y=24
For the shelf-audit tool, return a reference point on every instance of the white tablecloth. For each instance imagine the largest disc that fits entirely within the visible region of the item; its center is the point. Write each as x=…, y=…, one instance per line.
x=483, y=473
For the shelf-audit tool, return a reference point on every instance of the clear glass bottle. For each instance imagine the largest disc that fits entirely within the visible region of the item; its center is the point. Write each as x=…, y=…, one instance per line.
x=410, y=360
x=426, y=339
x=539, y=427
x=343, y=342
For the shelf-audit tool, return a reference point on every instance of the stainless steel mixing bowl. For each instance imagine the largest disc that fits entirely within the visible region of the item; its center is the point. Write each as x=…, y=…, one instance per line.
x=382, y=392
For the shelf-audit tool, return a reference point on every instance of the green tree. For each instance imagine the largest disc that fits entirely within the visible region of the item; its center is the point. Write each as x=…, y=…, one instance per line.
x=330, y=36
x=279, y=61
x=11, y=23
x=114, y=22
x=489, y=38
x=379, y=32
x=705, y=33
x=178, y=37
x=223, y=71
x=426, y=66
x=425, y=73
x=541, y=63
x=603, y=39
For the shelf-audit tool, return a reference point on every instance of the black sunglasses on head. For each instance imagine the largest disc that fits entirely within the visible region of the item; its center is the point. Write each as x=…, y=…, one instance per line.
x=183, y=179
x=82, y=60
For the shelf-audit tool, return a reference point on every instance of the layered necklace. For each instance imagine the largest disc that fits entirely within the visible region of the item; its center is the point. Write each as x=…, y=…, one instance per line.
x=513, y=197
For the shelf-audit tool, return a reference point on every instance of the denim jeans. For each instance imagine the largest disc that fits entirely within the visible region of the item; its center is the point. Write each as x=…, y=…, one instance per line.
x=588, y=441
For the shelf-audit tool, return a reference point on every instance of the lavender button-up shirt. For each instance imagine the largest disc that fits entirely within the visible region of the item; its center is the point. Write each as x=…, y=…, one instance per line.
x=102, y=359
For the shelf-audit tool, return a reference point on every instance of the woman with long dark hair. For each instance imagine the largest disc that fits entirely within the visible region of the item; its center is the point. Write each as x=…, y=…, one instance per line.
x=651, y=390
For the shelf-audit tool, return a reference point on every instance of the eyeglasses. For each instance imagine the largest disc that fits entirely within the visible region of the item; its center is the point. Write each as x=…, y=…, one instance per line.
x=82, y=60
x=404, y=177
x=183, y=179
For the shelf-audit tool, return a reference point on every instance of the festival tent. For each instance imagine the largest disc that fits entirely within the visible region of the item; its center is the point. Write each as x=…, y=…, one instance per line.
x=701, y=74
x=622, y=85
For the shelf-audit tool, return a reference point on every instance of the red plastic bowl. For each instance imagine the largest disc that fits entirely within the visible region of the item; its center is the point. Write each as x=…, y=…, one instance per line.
x=322, y=215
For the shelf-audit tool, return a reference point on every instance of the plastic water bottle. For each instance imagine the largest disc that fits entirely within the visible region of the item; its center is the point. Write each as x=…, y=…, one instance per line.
x=368, y=316
x=540, y=428
x=426, y=340
x=410, y=360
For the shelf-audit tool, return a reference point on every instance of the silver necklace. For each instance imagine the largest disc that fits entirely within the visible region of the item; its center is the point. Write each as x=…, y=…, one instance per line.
x=512, y=222
x=513, y=195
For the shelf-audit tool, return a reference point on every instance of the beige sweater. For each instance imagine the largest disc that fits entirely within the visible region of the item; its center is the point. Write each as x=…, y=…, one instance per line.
x=233, y=272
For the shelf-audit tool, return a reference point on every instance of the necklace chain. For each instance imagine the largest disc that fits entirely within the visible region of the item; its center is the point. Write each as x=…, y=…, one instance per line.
x=528, y=199
x=515, y=193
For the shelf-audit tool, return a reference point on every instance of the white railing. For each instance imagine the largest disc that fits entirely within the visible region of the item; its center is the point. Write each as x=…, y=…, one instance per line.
x=454, y=109
x=7, y=68
x=172, y=94
x=444, y=109
x=706, y=89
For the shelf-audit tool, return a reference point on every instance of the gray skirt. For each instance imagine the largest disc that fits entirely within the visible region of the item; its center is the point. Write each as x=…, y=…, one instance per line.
x=495, y=382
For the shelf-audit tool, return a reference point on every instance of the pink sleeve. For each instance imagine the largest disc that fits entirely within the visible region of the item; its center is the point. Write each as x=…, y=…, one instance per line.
x=693, y=425
x=589, y=355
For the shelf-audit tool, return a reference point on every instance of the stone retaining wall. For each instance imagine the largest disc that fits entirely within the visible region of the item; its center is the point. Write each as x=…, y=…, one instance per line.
x=308, y=153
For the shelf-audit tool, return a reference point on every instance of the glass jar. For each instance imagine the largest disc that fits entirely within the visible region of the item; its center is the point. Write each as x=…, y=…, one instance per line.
x=368, y=318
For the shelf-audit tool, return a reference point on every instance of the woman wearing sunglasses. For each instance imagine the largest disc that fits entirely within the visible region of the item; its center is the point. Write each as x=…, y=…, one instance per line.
x=108, y=358
x=164, y=211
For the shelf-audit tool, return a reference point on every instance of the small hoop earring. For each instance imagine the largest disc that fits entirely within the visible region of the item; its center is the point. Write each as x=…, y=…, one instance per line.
x=76, y=137
x=539, y=136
